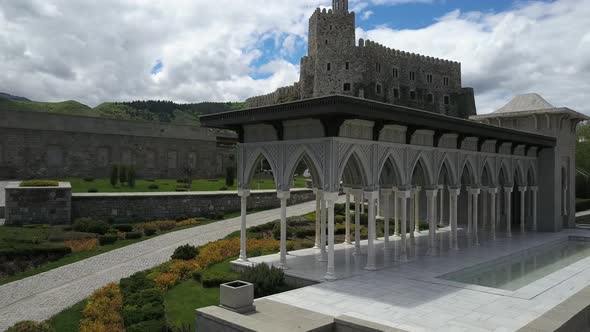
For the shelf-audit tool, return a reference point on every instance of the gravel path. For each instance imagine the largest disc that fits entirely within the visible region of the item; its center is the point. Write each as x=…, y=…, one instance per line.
x=41, y=296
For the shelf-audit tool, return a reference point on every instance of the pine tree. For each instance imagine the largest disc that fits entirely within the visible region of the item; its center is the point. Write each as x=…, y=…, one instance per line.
x=123, y=175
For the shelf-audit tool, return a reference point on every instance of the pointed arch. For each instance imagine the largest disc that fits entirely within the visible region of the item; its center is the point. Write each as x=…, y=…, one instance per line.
x=472, y=171
x=445, y=163
x=505, y=176
x=420, y=161
x=354, y=167
x=397, y=176
x=255, y=158
x=519, y=175
x=486, y=174
x=303, y=153
x=531, y=175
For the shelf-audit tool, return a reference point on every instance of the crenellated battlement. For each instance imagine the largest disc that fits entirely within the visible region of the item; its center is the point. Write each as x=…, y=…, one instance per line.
x=390, y=52
x=281, y=95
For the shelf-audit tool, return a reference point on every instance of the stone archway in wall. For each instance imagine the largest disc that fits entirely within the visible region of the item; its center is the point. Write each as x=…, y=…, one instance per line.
x=467, y=181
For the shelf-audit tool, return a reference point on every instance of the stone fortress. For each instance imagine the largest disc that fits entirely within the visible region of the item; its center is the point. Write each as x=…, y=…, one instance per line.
x=336, y=65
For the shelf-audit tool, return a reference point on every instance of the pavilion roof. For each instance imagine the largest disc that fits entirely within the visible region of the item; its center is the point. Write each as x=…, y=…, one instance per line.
x=335, y=109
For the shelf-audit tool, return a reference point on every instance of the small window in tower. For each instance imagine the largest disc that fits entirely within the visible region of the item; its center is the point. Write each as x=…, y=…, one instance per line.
x=430, y=98
x=395, y=72
x=429, y=78
x=330, y=26
x=347, y=66
x=346, y=87
x=326, y=42
x=378, y=89
x=329, y=67
x=378, y=67
x=413, y=95
x=445, y=81
x=412, y=76
x=396, y=93
x=447, y=100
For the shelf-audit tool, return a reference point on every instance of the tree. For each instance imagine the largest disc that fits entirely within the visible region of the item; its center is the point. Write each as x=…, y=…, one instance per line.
x=114, y=175
x=122, y=174
x=229, y=176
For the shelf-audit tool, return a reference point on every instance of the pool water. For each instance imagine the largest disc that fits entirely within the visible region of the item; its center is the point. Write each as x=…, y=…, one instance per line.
x=518, y=270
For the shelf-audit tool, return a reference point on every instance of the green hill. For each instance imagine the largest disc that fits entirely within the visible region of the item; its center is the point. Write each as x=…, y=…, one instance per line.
x=150, y=110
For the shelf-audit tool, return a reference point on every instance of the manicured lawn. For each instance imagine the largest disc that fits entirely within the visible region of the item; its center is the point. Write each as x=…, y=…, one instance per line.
x=69, y=319
x=103, y=185
x=182, y=300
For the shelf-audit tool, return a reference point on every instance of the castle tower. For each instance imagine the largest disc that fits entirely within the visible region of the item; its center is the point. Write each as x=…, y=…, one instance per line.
x=340, y=6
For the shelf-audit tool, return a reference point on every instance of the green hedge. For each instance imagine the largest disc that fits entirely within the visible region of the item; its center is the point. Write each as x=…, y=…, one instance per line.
x=143, y=304
x=267, y=280
x=185, y=252
x=89, y=225
x=39, y=183
x=47, y=250
x=210, y=279
x=30, y=326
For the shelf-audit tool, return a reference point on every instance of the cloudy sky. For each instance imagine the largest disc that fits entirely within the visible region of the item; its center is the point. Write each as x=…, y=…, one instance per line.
x=228, y=50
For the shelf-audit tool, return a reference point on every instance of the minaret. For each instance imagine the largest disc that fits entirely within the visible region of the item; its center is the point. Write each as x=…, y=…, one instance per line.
x=339, y=6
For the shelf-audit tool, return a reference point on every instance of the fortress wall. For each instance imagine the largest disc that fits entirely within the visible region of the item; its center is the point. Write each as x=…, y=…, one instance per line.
x=40, y=145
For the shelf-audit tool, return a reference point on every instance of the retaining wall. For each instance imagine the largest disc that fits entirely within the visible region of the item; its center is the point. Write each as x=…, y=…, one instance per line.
x=135, y=207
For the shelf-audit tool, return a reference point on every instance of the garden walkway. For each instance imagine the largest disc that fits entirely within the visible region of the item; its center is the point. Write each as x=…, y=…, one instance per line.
x=41, y=296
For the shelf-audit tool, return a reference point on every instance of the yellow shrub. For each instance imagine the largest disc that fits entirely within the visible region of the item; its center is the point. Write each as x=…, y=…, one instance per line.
x=81, y=245
x=161, y=225
x=103, y=311
x=182, y=268
x=167, y=280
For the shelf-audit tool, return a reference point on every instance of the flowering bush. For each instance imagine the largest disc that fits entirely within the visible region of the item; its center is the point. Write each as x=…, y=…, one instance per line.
x=81, y=245
x=167, y=280
x=183, y=268
x=161, y=225
x=103, y=311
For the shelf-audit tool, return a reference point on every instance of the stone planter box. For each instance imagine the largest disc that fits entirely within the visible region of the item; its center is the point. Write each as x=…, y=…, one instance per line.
x=237, y=296
x=38, y=205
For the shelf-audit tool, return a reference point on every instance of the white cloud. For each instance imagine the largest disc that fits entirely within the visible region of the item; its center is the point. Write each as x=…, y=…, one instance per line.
x=101, y=51
x=535, y=47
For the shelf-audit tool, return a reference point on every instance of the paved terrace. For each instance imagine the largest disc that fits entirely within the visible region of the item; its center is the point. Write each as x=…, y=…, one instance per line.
x=41, y=296
x=408, y=296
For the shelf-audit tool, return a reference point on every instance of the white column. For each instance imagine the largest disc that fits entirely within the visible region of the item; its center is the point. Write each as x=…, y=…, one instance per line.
x=371, y=197
x=403, y=203
x=244, y=206
x=469, y=213
x=318, y=215
x=431, y=218
x=357, y=222
x=331, y=200
x=474, y=220
x=453, y=196
x=484, y=207
x=324, y=254
x=283, y=196
x=412, y=207
x=522, y=190
x=441, y=219
x=362, y=203
x=386, y=207
x=493, y=192
x=507, y=209
x=417, y=210
x=534, y=206
x=347, y=216
x=395, y=213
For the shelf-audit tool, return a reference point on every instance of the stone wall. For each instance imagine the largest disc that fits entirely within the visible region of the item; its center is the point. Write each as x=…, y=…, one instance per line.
x=38, y=205
x=42, y=145
x=157, y=206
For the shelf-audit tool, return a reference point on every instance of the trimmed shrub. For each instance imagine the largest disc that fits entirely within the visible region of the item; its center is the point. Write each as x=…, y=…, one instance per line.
x=185, y=252
x=114, y=175
x=123, y=228
x=153, y=186
x=223, y=188
x=43, y=250
x=229, y=176
x=131, y=177
x=103, y=311
x=216, y=215
x=92, y=190
x=267, y=280
x=210, y=279
x=143, y=303
x=39, y=183
x=340, y=219
x=149, y=231
x=166, y=225
x=104, y=240
x=305, y=232
x=89, y=179
x=181, y=218
x=88, y=225
x=30, y=326
x=197, y=275
x=123, y=175
x=70, y=236
x=81, y=245
x=133, y=235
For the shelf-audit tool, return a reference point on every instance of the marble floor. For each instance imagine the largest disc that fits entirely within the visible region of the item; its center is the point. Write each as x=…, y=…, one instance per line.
x=409, y=296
